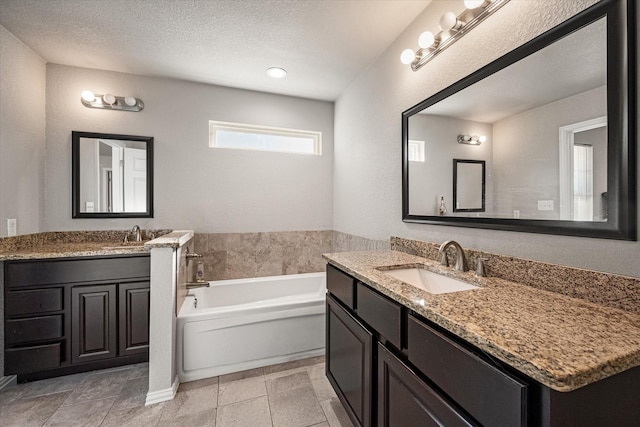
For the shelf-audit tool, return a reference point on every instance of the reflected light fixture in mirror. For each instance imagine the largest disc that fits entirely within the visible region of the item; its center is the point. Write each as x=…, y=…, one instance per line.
x=110, y=102
x=452, y=28
x=471, y=139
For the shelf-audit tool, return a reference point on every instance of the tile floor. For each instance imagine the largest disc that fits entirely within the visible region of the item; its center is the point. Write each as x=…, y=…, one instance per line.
x=294, y=394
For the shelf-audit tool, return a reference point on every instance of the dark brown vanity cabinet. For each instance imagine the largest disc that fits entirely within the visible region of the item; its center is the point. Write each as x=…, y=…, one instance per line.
x=349, y=361
x=406, y=400
x=93, y=323
x=374, y=362
x=391, y=367
x=75, y=314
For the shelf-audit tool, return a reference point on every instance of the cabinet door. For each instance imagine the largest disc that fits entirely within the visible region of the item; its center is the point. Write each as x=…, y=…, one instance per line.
x=134, y=318
x=405, y=400
x=349, y=358
x=93, y=331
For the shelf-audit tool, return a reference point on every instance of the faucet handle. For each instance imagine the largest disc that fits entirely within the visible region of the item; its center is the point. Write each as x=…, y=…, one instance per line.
x=481, y=269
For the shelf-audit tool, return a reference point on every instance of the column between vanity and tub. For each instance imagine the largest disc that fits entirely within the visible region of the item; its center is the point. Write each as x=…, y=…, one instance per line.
x=168, y=285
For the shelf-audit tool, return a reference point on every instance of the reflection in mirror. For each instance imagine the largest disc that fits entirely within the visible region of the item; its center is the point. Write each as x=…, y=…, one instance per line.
x=554, y=117
x=112, y=175
x=468, y=185
x=521, y=119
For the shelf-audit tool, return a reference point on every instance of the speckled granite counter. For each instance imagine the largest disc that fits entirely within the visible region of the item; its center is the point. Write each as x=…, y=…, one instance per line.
x=564, y=343
x=77, y=244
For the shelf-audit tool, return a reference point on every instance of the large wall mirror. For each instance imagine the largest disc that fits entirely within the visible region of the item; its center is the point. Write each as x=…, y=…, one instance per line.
x=112, y=175
x=554, y=123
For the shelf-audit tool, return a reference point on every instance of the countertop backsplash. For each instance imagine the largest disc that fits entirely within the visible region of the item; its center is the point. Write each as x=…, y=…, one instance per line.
x=606, y=289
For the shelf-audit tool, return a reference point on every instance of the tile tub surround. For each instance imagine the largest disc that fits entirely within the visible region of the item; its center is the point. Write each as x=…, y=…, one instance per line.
x=605, y=289
x=244, y=255
x=70, y=243
x=294, y=393
x=564, y=343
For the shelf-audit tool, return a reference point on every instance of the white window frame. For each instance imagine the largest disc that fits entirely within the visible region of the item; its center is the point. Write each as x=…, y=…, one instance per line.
x=419, y=150
x=264, y=130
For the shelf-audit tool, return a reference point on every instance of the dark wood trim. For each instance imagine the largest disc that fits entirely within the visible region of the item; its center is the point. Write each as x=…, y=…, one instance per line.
x=455, y=185
x=75, y=175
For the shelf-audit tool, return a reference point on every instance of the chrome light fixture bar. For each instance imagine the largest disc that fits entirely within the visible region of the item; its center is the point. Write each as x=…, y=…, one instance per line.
x=453, y=28
x=111, y=102
x=471, y=139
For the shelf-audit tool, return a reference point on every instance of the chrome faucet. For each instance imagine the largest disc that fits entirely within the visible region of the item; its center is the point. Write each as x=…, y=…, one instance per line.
x=137, y=233
x=461, y=260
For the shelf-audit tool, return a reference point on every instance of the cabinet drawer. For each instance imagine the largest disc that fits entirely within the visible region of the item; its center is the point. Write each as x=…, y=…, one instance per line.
x=33, y=273
x=491, y=396
x=32, y=359
x=341, y=285
x=33, y=302
x=33, y=329
x=382, y=314
x=405, y=400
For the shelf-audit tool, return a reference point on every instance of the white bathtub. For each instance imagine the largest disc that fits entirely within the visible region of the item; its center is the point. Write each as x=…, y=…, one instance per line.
x=248, y=323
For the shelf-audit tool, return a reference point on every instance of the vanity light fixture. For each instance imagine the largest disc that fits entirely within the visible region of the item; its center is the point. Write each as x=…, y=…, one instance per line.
x=277, y=72
x=471, y=139
x=452, y=28
x=110, y=102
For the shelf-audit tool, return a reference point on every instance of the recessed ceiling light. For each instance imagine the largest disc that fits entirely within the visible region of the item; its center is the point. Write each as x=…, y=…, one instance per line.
x=277, y=72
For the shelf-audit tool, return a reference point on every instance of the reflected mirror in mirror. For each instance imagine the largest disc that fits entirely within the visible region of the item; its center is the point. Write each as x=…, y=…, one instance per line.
x=553, y=115
x=468, y=185
x=112, y=175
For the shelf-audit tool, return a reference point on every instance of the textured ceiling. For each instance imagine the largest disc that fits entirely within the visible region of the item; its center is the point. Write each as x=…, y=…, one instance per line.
x=323, y=44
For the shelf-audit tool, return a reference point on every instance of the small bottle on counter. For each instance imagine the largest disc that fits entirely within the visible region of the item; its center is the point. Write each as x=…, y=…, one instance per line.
x=443, y=207
x=200, y=271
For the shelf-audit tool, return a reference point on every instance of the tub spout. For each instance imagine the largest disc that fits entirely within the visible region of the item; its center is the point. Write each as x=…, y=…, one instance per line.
x=193, y=285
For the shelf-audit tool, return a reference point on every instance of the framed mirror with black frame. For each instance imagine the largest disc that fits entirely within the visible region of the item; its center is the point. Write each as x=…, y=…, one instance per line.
x=468, y=185
x=112, y=175
x=555, y=122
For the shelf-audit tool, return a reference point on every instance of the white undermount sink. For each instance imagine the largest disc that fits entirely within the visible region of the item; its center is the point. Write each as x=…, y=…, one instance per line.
x=431, y=282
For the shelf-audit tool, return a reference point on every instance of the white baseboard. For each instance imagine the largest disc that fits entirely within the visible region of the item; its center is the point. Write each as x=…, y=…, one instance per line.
x=7, y=381
x=163, y=395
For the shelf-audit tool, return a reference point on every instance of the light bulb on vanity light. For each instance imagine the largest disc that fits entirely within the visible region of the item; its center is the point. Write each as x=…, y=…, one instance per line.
x=109, y=99
x=449, y=21
x=482, y=138
x=426, y=39
x=472, y=4
x=88, y=96
x=407, y=56
x=130, y=101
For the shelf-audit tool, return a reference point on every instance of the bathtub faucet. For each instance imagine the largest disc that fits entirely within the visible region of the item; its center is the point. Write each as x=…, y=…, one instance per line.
x=193, y=285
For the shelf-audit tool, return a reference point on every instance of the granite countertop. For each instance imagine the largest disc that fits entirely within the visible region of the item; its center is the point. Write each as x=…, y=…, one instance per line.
x=565, y=343
x=89, y=243
x=64, y=250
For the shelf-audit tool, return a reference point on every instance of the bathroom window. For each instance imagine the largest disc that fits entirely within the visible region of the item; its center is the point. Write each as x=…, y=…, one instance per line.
x=416, y=151
x=262, y=138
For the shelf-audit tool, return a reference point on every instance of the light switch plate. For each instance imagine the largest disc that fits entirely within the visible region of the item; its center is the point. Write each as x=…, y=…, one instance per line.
x=12, y=227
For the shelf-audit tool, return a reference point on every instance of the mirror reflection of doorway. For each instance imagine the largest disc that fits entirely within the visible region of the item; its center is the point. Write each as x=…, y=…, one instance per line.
x=583, y=171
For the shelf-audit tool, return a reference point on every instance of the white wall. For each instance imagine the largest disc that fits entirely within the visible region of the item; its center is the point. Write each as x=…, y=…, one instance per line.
x=432, y=179
x=196, y=187
x=367, y=177
x=22, y=135
x=525, y=152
